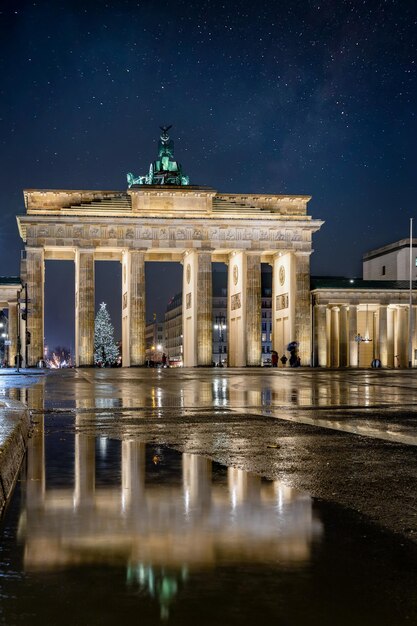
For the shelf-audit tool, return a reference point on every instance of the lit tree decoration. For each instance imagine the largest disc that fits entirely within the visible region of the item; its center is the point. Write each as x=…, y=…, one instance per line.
x=106, y=351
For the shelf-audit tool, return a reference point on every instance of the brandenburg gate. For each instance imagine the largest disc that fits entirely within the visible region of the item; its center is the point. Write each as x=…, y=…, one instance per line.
x=161, y=217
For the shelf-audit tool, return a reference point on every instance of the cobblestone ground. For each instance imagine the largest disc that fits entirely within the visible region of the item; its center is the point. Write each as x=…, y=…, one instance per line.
x=349, y=437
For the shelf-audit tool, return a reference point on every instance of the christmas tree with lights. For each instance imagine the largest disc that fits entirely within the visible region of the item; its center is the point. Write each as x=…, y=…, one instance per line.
x=106, y=351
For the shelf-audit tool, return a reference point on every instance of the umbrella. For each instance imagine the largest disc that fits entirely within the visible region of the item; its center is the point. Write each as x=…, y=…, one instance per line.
x=293, y=345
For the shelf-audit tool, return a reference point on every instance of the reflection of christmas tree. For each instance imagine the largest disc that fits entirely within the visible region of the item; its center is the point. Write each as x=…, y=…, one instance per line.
x=106, y=351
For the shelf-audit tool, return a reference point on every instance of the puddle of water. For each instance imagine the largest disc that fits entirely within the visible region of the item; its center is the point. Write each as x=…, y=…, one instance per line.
x=100, y=531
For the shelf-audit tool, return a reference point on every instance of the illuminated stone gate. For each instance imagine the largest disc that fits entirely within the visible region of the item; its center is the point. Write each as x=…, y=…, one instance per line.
x=155, y=220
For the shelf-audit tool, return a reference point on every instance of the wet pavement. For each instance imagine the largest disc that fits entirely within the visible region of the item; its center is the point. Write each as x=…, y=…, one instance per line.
x=331, y=538
x=139, y=532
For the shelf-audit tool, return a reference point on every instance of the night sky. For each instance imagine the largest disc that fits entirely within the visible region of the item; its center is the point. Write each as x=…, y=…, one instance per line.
x=290, y=97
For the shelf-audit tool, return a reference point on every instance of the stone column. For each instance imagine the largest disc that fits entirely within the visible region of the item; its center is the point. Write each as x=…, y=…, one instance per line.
x=302, y=307
x=35, y=273
x=283, y=300
x=12, y=332
x=204, y=310
x=382, y=336
x=353, y=331
x=334, y=349
x=390, y=336
x=133, y=308
x=320, y=335
x=401, y=332
x=84, y=308
x=236, y=309
x=253, y=310
x=197, y=309
x=344, y=337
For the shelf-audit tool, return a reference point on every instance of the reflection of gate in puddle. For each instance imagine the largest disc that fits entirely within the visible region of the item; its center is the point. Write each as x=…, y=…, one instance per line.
x=195, y=523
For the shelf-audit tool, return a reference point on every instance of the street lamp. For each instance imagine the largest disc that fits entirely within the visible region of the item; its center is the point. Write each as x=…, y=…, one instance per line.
x=220, y=326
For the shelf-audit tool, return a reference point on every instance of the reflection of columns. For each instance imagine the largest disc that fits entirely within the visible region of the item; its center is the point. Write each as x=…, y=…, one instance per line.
x=334, y=333
x=320, y=338
x=253, y=310
x=390, y=336
x=196, y=477
x=84, y=308
x=133, y=308
x=353, y=331
x=196, y=309
x=84, y=469
x=344, y=337
x=302, y=307
x=133, y=473
x=12, y=332
x=382, y=336
x=243, y=486
x=35, y=483
x=35, y=272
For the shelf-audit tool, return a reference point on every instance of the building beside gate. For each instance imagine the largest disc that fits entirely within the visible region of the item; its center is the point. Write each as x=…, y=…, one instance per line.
x=356, y=321
x=391, y=262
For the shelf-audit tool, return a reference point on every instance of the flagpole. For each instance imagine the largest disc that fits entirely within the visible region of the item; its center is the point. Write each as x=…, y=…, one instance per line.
x=410, y=311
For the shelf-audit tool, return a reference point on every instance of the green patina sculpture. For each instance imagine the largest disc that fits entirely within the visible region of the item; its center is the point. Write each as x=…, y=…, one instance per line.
x=165, y=170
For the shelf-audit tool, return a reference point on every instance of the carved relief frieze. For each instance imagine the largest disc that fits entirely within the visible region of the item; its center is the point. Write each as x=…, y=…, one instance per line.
x=95, y=232
x=281, y=302
x=145, y=233
x=112, y=234
x=77, y=232
x=42, y=231
x=263, y=234
x=130, y=233
x=163, y=233
x=197, y=233
x=235, y=301
x=214, y=233
x=230, y=234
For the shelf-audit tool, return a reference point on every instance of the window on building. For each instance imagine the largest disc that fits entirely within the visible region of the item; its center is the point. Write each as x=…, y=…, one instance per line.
x=263, y=326
x=263, y=349
x=268, y=349
x=416, y=261
x=263, y=336
x=383, y=270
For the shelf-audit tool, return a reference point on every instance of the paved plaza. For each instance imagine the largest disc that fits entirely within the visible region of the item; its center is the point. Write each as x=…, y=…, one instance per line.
x=348, y=437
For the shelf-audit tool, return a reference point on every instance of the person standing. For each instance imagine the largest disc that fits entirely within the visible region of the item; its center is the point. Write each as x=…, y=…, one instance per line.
x=274, y=358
